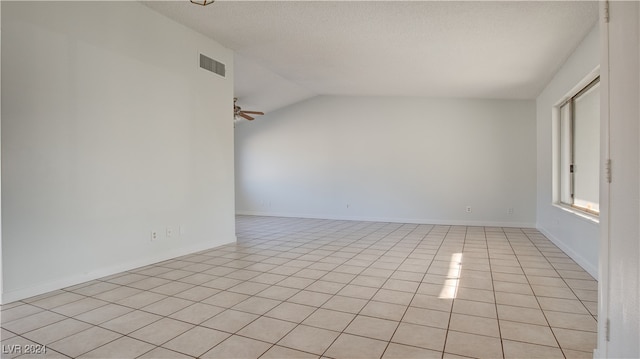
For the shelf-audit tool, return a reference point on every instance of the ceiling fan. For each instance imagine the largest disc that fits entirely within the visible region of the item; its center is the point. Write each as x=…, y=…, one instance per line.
x=239, y=112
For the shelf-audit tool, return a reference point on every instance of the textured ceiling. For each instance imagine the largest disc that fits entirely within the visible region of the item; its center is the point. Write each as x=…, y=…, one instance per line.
x=287, y=51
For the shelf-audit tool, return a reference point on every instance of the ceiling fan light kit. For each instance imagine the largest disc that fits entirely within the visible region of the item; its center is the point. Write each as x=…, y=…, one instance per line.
x=239, y=112
x=202, y=2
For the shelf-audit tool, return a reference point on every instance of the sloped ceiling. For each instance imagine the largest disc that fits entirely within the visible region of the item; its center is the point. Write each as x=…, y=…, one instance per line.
x=287, y=51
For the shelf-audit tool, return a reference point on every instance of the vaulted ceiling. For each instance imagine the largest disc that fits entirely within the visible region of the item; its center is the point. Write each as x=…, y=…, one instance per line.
x=287, y=51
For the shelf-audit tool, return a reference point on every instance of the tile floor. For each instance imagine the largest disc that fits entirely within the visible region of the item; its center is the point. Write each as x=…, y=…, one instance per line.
x=309, y=288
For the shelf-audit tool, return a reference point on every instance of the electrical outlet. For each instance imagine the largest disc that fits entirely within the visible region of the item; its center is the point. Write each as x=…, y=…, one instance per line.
x=510, y=211
x=154, y=236
x=169, y=232
x=468, y=209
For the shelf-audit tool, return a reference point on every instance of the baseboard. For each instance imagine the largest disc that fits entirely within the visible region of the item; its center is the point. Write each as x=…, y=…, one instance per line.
x=588, y=267
x=23, y=293
x=392, y=219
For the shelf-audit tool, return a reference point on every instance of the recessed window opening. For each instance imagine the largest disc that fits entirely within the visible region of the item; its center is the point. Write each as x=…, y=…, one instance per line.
x=579, y=150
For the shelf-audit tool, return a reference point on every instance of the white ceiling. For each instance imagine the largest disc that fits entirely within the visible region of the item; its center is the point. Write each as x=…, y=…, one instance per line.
x=287, y=51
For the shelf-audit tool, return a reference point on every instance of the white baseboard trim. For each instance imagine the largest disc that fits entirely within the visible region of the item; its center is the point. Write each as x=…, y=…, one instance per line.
x=591, y=269
x=391, y=219
x=41, y=288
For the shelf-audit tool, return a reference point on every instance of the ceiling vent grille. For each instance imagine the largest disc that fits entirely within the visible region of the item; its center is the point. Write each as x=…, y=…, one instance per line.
x=212, y=65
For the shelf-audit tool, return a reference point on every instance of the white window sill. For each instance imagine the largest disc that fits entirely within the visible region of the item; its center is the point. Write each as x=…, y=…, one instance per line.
x=583, y=215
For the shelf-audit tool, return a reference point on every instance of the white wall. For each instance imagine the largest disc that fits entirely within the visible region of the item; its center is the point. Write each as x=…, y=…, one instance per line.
x=391, y=159
x=620, y=283
x=576, y=236
x=109, y=130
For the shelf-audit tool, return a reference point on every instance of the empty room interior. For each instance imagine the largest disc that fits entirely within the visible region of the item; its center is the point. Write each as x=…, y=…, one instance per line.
x=320, y=179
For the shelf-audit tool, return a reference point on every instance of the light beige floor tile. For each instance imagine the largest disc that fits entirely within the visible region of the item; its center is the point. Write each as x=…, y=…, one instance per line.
x=12, y=347
x=432, y=302
x=510, y=287
x=472, y=345
x=248, y=288
x=56, y=331
x=197, y=294
x=167, y=306
x=96, y=288
x=162, y=353
x=313, y=299
x=278, y=293
x=338, y=277
x=225, y=299
x=528, y=333
x=588, y=284
x=84, y=341
x=17, y=312
x=267, y=329
x=197, y=313
x=393, y=296
x=57, y=300
x=325, y=287
x=550, y=281
x=575, y=354
x=238, y=347
x=130, y=322
x=149, y=283
x=562, y=305
x=79, y=307
x=357, y=291
x=576, y=339
x=510, y=277
x=370, y=327
x=399, y=351
x=481, y=309
x=419, y=336
x=196, y=341
x=353, y=347
x=172, y=288
x=117, y=294
x=278, y=352
x=479, y=295
x=103, y=314
x=222, y=283
x=329, y=319
x=474, y=325
x=518, y=350
x=198, y=279
x=554, y=292
x=120, y=348
x=42, y=353
x=161, y=331
x=428, y=317
x=291, y=311
x=230, y=320
x=32, y=322
x=384, y=310
x=584, y=322
x=401, y=285
x=257, y=305
x=309, y=339
x=141, y=299
x=522, y=315
x=368, y=281
x=268, y=278
x=295, y=282
x=518, y=300
x=345, y=304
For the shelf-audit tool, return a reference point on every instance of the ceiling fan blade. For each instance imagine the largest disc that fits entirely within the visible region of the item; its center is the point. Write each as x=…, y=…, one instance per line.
x=243, y=115
x=254, y=112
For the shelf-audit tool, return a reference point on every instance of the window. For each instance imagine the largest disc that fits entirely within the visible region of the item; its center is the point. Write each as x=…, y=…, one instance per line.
x=578, y=154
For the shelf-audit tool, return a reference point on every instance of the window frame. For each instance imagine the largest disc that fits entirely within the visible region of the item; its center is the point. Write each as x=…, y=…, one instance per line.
x=560, y=148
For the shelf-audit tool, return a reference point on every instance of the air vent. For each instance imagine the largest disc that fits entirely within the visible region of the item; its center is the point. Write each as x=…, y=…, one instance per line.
x=212, y=65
